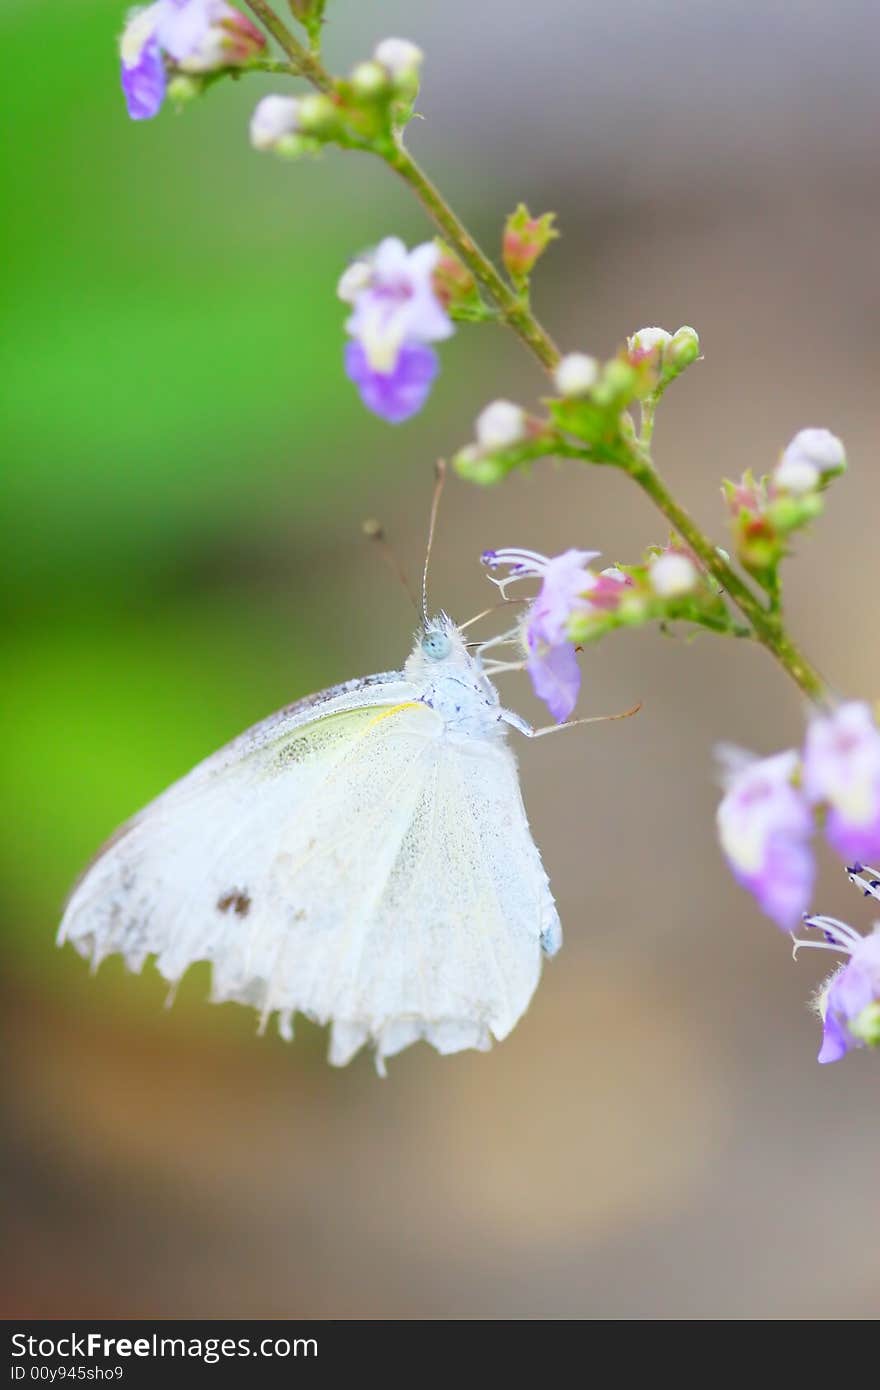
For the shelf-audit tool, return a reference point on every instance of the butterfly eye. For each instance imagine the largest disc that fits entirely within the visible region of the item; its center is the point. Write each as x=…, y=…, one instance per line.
x=436, y=645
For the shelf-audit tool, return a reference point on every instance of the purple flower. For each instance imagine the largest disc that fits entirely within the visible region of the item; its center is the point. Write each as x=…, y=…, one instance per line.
x=842, y=770
x=143, y=70
x=395, y=313
x=197, y=35
x=849, y=1002
x=566, y=580
x=400, y=393
x=765, y=825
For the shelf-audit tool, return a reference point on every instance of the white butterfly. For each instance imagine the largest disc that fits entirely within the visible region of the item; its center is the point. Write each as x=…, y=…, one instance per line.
x=362, y=857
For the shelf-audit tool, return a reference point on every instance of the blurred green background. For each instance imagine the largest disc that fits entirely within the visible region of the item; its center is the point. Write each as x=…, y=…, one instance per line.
x=184, y=475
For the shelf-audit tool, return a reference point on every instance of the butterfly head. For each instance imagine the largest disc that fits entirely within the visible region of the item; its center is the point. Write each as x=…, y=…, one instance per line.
x=439, y=646
x=436, y=643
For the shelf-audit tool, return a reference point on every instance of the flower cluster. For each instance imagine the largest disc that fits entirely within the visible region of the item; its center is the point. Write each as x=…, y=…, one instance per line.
x=196, y=36
x=576, y=604
x=395, y=314
x=372, y=102
x=849, y=1001
x=588, y=418
x=766, y=511
x=772, y=806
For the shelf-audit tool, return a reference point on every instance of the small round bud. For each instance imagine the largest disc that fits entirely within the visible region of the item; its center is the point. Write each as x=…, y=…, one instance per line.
x=400, y=58
x=471, y=464
x=274, y=118
x=318, y=116
x=647, y=341
x=182, y=88
x=369, y=80
x=615, y=384
x=796, y=474
x=672, y=574
x=822, y=448
x=500, y=426
x=683, y=348
x=355, y=278
x=576, y=374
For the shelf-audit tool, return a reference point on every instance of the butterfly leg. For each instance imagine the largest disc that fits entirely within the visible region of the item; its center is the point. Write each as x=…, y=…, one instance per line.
x=516, y=721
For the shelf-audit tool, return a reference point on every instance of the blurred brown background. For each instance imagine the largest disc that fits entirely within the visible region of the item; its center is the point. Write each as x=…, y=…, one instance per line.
x=186, y=477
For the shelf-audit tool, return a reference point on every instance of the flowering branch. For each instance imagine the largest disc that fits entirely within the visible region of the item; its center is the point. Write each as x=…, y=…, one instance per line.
x=514, y=310
x=766, y=625
x=394, y=153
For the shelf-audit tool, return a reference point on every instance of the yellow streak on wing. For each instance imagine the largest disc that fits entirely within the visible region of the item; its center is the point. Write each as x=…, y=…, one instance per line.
x=395, y=709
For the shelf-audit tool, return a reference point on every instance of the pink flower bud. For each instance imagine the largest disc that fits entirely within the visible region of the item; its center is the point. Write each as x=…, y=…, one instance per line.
x=525, y=239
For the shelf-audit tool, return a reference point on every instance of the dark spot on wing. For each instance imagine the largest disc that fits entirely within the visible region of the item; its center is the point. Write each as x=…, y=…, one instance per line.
x=236, y=901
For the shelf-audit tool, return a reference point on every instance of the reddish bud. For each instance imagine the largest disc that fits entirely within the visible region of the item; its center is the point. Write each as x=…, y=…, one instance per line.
x=525, y=239
x=454, y=285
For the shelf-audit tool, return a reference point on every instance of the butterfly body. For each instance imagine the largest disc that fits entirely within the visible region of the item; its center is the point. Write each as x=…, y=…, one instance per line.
x=362, y=857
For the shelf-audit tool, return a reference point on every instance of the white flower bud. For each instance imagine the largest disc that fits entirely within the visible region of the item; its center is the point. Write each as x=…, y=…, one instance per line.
x=355, y=278
x=672, y=574
x=822, y=448
x=500, y=425
x=645, y=340
x=576, y=374
x=274, y=117
x=796, y=474
x=369, y=79
x=399, y=57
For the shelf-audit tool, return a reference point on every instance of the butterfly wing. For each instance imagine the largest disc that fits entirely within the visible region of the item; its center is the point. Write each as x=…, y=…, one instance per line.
x=108, y=912
x=352, y=861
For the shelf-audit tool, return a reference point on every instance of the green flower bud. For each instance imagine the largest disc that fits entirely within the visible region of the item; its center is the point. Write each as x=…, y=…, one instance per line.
x=681, y=351
x=617, y=383
x=318, y=116
x=369, y=81
x=469, y=463
x=184, y=88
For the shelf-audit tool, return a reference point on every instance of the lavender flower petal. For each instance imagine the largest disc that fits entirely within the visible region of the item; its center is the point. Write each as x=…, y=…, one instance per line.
x=400, y=393
x=144, y=82
x=556, y=678
x=835, y=1042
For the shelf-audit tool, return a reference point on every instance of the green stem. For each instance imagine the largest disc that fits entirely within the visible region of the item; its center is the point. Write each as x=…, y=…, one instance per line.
x=646, y=433
x=516, y=312
x=511, y=307
x=304, y=63
x=276, y=65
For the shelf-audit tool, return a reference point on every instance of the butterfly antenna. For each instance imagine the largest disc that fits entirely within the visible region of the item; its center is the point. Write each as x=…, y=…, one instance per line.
x=439, y=480
x=375, y=531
